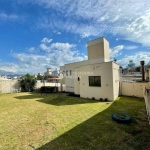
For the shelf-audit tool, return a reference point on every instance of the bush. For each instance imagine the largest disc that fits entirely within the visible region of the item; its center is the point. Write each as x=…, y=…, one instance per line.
x=27, y=83
x=106, y=99
x=48, y=89
x=93, y=98
x=101, y=99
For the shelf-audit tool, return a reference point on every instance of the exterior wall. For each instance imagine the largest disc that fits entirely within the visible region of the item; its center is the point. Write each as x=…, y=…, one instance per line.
x=98, y=52
x=116, y=78
x=8, y=86
x=98, y=48
x=105, y=91
x=133, y=88
x=68, y=80
x=106, y=49
x=40, y=84
x=76, y=82
x=146, y=93
x=131, y=78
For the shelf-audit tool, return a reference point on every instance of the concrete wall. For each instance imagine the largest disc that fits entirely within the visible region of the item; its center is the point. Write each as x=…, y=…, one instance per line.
x=8, y=86
x=116, y=79
x=133, y=88
x=68, y=80
x=108, y=84
x=98, y=48
x=40, y=84
x=146, y=93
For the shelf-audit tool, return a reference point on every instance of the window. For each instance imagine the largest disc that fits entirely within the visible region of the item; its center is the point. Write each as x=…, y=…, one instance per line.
x=66, y=72
x=70, y=72
x=94, y=81
x=78, y=78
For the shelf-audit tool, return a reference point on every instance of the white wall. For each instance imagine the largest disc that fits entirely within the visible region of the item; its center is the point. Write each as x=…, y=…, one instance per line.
x=40, y=84
x=116, y=78
x=133, y=88
x=107, y=84
x=68, y=81
x=8, y=86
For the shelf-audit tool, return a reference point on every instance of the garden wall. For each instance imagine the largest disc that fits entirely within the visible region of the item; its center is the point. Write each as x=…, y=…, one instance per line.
x=9, y=86
x=133, y=88
x=40, y=84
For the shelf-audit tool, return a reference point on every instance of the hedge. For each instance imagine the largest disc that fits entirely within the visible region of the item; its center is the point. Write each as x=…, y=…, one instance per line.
x=48, y=89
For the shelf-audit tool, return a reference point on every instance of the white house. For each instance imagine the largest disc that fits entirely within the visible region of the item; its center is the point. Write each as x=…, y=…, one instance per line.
x=97, y=77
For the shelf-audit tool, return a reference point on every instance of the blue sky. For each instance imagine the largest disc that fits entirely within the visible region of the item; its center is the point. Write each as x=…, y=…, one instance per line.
x=36, y=34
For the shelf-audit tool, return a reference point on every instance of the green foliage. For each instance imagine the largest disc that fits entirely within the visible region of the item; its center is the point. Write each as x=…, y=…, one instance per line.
x=138, y=69
x=47, y=89
x=39, y=77
x=28, y=82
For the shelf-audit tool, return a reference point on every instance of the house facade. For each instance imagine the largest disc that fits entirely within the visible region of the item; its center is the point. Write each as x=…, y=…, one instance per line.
x=97, y=77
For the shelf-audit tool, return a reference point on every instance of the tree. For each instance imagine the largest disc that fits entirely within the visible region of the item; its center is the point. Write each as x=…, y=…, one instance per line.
x=115, y=60
x=28, y=83
x=40, y=77
x=138, y=69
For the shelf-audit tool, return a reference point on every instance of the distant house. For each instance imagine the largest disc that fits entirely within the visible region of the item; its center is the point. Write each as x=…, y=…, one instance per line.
x=97, y=77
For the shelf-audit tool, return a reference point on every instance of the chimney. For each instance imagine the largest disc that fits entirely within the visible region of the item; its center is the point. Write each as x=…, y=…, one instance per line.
x=142, y=67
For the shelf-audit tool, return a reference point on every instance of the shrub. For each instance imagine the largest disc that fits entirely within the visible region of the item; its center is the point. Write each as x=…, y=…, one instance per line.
x=101, y=99
x=106, y=99
x=28, y=82
x=48, y=89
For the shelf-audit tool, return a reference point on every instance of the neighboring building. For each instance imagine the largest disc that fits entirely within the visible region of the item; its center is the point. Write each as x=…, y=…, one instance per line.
x=97, y=77
x=55, y=72
x=4, y=77
x=40, y=74
x=48, y=72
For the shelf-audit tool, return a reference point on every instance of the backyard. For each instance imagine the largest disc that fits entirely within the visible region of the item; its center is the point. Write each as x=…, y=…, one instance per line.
x=61, y=122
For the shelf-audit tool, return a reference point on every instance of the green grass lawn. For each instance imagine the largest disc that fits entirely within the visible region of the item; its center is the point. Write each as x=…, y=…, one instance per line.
x=60, y=122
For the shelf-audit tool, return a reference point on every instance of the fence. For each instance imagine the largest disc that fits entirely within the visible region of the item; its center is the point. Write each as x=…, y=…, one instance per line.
x=146, y=93
x=9, y=86
x=40, y=84
x=133, y=88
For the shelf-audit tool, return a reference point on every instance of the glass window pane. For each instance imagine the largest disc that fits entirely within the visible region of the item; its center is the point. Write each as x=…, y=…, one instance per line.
x=94, y=81
x=91, y=81
x=97, y=81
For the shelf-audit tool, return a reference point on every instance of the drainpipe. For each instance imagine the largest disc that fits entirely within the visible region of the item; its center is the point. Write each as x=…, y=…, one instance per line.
x=143, y=74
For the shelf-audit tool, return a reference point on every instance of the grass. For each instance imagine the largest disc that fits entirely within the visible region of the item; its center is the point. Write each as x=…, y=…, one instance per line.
x=60, y=122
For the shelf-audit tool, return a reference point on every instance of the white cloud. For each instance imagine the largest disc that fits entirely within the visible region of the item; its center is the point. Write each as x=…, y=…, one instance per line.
x=130, y=47
x=58, y=33
x=137, y=57
x=8, y=17
x=9, y=68
x=60, y=46
x=129, y=19
x=57, y=54
x=46, y=40
x=31, y=49
x=116, y=51
x=44, y=47
x=56, y=46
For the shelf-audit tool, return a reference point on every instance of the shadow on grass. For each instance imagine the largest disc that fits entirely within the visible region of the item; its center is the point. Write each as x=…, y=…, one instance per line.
x=57, y=99
x=101, y=133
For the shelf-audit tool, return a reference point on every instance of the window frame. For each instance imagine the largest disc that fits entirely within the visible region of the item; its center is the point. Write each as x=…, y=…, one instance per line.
x=94, y=80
